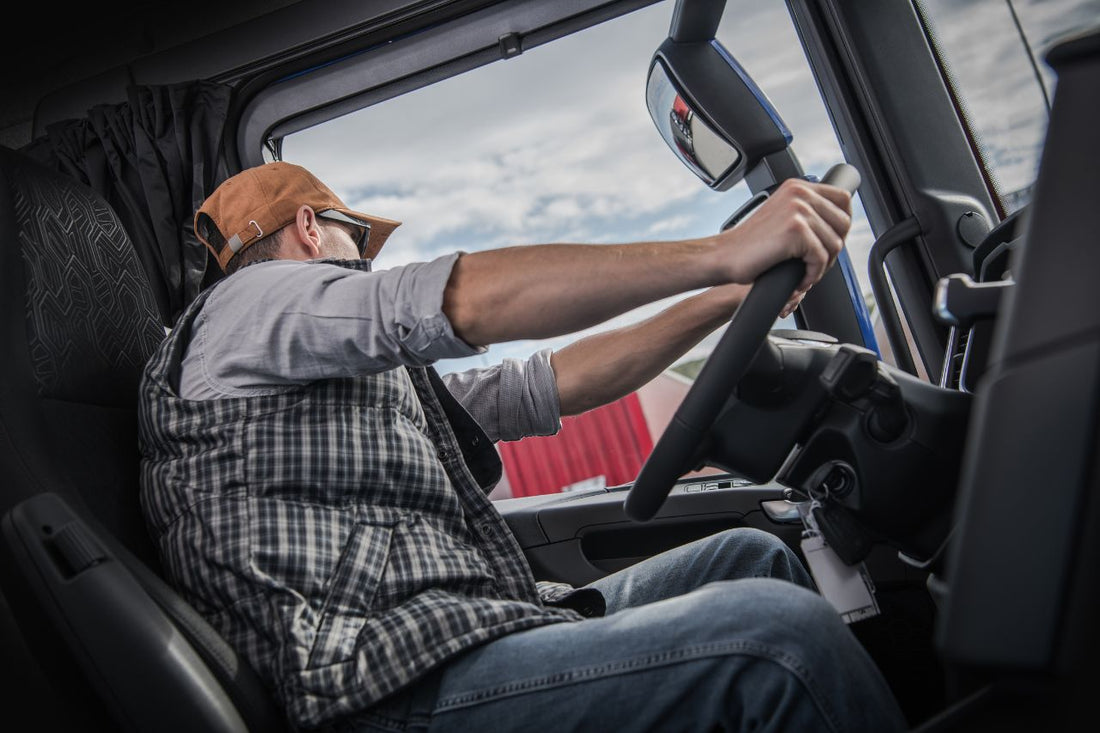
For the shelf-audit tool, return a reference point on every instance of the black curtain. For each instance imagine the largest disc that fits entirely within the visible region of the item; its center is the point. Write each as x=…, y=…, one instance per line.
x=154, y=158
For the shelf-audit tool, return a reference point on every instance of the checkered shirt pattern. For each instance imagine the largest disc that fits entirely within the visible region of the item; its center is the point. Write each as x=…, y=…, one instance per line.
x=334, y=534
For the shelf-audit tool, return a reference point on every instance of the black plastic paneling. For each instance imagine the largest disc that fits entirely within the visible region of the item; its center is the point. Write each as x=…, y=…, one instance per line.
x=1032, y=426
x=383, y=71
x=1026, y=492
x=579, y=538
x=897, y=122
x=223, y=49
x=148, y=677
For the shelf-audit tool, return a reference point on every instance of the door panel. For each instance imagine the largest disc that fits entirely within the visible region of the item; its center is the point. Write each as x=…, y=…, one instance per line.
x=577, y=538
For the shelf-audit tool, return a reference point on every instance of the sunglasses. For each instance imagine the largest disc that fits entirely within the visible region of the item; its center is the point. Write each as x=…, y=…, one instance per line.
x=361, y=232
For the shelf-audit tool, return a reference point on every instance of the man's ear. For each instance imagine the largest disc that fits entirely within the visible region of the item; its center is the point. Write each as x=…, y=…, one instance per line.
x=305, y=239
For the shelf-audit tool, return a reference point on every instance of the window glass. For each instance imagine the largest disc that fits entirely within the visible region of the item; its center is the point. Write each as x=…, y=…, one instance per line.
x=556, y=145
x=993, y=54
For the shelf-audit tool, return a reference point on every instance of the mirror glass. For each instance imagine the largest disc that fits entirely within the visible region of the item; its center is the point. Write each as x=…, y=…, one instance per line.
x=701, y=149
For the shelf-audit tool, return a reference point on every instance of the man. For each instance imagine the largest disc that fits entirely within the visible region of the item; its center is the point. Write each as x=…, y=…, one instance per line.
x=319, y=492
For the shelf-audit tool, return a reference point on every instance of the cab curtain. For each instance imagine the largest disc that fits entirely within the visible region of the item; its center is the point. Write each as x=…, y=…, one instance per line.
x=155, y=158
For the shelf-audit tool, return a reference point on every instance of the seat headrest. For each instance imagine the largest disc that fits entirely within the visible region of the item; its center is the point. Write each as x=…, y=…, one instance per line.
x=91, y=318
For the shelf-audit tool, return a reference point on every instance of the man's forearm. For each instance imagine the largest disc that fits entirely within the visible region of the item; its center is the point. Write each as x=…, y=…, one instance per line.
x=548, y=290
x=604, y=367
x=539, y=291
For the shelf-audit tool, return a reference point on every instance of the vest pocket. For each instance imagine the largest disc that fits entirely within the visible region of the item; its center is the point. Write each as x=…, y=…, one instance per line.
x=351, y=591
x=427, y=559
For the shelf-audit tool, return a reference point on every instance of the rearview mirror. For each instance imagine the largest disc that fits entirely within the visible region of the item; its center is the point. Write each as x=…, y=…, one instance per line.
x=694, y=141
x=711, y=113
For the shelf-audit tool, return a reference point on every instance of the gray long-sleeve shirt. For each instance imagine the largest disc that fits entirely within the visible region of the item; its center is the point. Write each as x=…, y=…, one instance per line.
x=278, y=324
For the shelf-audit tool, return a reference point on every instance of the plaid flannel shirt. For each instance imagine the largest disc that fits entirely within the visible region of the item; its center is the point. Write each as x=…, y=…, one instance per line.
x=337, y=534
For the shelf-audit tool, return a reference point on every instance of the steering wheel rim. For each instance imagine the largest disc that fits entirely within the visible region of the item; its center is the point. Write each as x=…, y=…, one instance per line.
x=727, y=364
x=722, y=371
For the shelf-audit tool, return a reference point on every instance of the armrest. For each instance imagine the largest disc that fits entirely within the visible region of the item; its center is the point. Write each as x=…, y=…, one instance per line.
x=62, y=578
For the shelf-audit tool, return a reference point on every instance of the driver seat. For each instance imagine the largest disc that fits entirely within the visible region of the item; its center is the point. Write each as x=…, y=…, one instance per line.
x=93, y=638
x=1019, y=626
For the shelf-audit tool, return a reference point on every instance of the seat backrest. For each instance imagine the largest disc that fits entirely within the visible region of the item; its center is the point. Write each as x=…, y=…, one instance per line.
x=77, y=323
x=1024, y=572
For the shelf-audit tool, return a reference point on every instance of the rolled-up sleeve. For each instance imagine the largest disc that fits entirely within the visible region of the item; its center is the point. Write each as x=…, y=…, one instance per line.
x=282, y=322
x=515, y=399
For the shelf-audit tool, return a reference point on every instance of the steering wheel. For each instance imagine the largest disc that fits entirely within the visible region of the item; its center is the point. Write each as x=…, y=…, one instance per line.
x=676, y=449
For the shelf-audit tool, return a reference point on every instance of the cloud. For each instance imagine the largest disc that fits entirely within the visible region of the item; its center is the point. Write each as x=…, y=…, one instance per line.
x=556, y=145
x=679, y=222
x=533, y=149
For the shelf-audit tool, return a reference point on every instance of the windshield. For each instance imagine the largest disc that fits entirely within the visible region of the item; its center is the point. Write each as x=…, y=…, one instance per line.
x=556, y=145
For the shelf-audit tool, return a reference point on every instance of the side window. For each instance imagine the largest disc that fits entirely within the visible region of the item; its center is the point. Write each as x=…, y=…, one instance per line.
x=992, y=52
x=556, y=145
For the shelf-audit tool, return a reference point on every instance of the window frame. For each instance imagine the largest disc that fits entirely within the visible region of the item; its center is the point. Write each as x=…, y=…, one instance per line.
x=317, y=88
x=874, y=87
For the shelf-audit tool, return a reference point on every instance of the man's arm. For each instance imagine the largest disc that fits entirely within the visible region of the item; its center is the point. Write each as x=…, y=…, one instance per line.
x=515, y=399
x=603, y=367
x=548, y=290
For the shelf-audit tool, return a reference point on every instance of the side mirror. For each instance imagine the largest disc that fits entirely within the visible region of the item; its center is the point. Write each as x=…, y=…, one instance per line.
x=708, y=109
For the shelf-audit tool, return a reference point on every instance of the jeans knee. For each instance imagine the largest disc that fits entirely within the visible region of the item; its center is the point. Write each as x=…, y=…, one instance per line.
x=756, y=553
x=750, y=537
x=774, y=608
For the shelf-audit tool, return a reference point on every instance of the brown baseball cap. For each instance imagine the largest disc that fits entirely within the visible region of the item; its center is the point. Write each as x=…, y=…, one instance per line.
x=259, y=201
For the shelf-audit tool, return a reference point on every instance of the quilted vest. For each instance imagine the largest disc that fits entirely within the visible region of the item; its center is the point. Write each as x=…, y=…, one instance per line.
x=338, y=534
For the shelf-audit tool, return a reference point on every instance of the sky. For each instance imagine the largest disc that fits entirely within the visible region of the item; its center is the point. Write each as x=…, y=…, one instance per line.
x=556, y=145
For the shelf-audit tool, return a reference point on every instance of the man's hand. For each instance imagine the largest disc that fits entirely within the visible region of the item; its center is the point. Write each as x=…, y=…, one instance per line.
x=800, y=220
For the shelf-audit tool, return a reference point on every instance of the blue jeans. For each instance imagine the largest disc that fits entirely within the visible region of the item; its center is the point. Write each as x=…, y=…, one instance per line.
x=721, y=634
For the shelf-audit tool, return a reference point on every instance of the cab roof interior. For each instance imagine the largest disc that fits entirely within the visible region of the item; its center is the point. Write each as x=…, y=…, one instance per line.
x=77, y=58
x=92, y=52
